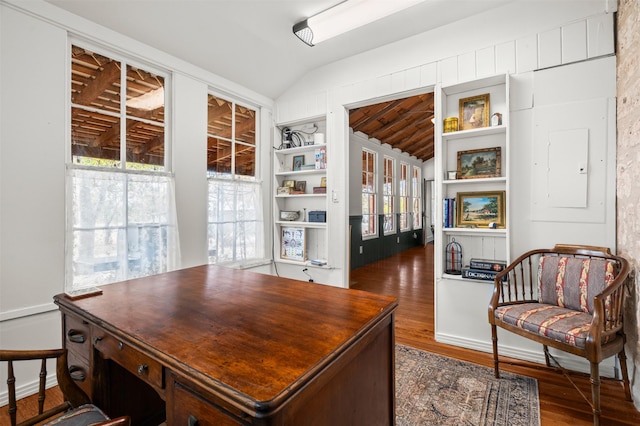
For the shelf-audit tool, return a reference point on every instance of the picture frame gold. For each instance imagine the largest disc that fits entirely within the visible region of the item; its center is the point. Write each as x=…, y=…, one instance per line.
x=474, y=112
x=293, y=245
x=481, y=209
x=479, y=163
x=323, y=181
x=289, y=183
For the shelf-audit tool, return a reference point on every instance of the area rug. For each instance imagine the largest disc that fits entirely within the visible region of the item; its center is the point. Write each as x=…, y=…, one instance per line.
x=436, y=390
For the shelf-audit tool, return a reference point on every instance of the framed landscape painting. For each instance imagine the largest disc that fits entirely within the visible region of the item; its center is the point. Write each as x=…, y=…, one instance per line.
x=480, y=209
x=479, y=163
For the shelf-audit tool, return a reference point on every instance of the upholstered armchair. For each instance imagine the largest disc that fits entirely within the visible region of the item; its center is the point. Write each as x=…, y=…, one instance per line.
x=569, y=298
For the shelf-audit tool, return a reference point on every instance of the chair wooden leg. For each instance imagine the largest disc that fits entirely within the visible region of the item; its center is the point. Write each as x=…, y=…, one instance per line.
x=595, y=393
x=547, y=360
x=622, y=356
x=494, y=340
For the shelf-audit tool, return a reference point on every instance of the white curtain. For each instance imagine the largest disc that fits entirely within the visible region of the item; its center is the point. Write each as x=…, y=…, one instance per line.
x=236, y=228
x=120, y=225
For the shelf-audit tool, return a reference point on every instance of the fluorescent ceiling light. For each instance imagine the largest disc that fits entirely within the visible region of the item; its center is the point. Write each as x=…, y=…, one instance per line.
x=346, y=16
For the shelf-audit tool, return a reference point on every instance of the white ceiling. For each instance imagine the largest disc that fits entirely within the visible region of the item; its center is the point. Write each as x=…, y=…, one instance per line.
x=251, y=42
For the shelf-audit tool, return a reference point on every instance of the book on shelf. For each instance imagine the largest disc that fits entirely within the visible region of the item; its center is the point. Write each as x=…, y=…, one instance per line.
x=319, y=189
x=487, y=264
x=449, y=214
x=478, y=274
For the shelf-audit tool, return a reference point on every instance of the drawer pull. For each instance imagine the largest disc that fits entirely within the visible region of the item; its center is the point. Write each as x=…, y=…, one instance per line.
x=77, y=373
x=120, y=345
x=97, y=339
x=76, y=336
x=142, y=368
x=192, y=420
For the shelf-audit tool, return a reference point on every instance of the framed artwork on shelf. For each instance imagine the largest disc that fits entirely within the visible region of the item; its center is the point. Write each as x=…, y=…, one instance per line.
x=474, y=112
x=479, y=163
x=298, y=162
x=483, y=209
x=293, y=244
x=283, y=190
x=301, y=185
x=323, y=181
x=289, y=183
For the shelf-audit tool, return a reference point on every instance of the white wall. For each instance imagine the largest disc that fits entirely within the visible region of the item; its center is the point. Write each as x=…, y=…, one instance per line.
x=34, y=135
x=521, y=39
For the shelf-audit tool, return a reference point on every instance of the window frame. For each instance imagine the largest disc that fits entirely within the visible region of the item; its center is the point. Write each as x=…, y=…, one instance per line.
x=416, y=192
x=403, y=196
x=233, y=177
x=369, y=193
x=389, y=195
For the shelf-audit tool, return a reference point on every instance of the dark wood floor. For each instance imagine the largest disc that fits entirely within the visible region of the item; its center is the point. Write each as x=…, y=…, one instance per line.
x=409, y=277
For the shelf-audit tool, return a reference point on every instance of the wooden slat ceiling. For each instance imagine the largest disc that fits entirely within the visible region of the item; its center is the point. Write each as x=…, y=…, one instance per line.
x=403, y=123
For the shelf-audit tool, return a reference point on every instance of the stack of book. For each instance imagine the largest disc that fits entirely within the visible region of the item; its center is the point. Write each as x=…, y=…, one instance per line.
x=483, y=269
x=449, y=213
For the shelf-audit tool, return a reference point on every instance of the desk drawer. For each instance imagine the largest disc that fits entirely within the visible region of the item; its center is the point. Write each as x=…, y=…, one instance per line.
x=190, y=408
x=135, y=362
x=77, y=336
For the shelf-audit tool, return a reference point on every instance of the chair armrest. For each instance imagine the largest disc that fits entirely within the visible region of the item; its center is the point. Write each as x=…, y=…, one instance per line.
x=608, y=308
x=519, y=282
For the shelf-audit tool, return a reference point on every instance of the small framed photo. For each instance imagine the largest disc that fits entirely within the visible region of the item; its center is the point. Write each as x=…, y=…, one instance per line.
x=480, y=209
x=298, y=162
x=301, y=185
x=479, y=163
x=283, y=190
x=289, y=183
x=323, y=182
x=474, y=112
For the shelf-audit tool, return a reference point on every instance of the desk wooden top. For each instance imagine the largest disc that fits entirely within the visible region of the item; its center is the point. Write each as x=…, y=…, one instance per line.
x=252, y=335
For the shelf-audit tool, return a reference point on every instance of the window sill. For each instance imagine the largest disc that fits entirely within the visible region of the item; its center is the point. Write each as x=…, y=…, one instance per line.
x=253, y=263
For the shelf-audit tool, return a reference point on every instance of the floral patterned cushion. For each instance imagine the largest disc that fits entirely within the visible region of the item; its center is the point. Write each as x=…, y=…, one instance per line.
x=561, y=324
x=571, y=282
x=85, y=415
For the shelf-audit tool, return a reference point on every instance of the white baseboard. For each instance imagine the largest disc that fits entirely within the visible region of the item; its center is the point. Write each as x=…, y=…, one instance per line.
x=27, y=389
x=608, y=368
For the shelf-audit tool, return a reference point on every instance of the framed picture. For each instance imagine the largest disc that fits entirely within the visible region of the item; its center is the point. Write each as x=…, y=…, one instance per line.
x=301, y=185
x=298, y=161
x=289, y=183
x=323, y=181
x=474, y=112
x=479, y=163
x=283, y=190
x=293, y=244
x=480, y=209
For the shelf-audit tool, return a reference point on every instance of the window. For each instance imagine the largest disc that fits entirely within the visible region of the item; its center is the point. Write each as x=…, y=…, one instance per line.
x=416, y=191
x=121, y=222
x=369, y=212
x=235, y=224
x=404, y=196
x=387, y=195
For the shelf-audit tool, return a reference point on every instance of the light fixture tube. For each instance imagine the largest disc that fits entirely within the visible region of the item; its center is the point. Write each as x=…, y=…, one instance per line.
x=347, y=16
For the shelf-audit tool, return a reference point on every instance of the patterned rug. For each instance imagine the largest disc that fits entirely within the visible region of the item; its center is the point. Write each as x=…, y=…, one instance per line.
x=436, y=390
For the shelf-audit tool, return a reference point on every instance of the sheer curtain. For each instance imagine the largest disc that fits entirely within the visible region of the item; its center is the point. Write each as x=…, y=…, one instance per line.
x=235, y=228
x=120, y=225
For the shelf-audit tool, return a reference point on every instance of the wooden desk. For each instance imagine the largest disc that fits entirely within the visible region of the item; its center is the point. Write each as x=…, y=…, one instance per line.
x=227, y=347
